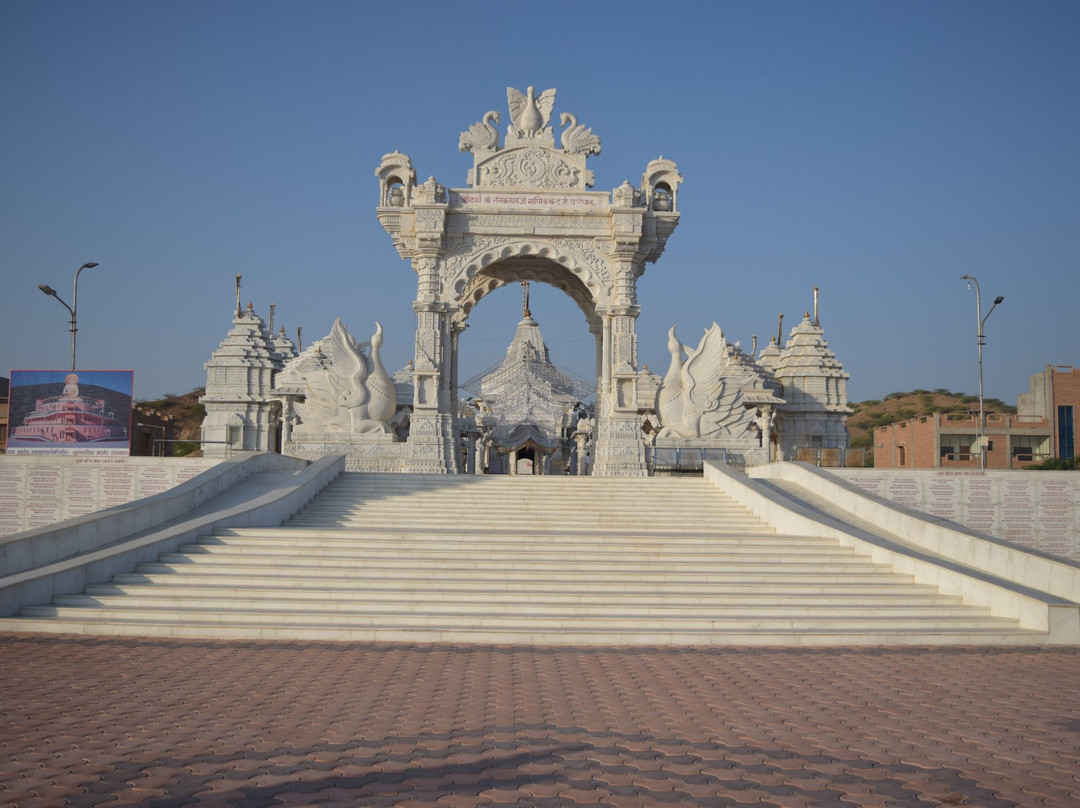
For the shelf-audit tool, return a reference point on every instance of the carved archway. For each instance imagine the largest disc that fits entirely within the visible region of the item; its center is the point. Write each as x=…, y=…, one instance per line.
x=527, y=215
x=527, y=261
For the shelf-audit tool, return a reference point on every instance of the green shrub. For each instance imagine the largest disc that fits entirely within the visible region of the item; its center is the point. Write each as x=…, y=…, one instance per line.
x=1057, y=464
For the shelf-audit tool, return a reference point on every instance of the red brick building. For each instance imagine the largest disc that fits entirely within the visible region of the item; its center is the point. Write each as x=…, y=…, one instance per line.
x=1042, y=428
x=1055, y=396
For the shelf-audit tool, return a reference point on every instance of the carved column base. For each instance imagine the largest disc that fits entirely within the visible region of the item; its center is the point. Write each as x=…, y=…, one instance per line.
x=620, y=449
x=432, y=446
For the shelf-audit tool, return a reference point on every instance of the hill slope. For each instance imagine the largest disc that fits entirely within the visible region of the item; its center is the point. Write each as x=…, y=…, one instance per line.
x=871, y=414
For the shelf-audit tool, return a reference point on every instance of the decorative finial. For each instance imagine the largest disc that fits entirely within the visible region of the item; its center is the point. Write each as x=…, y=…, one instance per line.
x=780, y=330
x=525, y=300
x=270, y=323
x=239, y=311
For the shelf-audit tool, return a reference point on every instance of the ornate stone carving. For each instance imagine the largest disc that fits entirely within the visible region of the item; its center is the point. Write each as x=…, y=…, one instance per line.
x=529, y=115
x=576, y=139
x=473, y=222
x=531, y=167
x=430, y=192
x=481, y=136
x=695, y=399
x=627, y=196
x=590, y=255
x=353, y=395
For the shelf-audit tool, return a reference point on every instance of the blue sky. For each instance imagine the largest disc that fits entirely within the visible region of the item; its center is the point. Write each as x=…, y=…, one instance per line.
x=875, y=150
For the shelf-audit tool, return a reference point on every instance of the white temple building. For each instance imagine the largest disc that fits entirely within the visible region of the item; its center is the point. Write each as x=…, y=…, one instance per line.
x=241, y=413
x=527, y=408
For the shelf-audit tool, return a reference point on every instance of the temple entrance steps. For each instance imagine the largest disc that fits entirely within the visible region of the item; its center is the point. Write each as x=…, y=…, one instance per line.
x=545, y=560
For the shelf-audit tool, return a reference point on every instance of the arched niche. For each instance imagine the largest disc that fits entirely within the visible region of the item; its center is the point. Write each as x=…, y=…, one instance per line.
x=482, y=277
x=397, y=178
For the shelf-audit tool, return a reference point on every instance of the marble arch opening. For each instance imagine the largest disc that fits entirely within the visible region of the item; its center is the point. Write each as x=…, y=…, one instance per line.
x=527, y=214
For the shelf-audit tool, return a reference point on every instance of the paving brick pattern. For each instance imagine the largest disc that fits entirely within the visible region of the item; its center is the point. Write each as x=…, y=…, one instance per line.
x=141, y=722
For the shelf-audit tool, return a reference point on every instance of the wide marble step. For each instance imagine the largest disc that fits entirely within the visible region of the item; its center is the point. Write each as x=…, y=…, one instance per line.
x=809, y=634
x=762, y=618
x=865, y=583
x=275, y=591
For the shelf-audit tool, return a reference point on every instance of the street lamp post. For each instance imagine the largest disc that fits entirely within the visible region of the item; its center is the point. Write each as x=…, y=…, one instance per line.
x=981, y=339
x=74, y=307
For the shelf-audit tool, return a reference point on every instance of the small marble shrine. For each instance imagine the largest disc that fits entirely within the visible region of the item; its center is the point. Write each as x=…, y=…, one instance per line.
x=527, y=215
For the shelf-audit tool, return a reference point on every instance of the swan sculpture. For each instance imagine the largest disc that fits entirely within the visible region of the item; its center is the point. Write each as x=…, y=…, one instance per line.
x=576, y=139
x=694, y=400
x=380, y=384
x=353, y=395
x=481, y=136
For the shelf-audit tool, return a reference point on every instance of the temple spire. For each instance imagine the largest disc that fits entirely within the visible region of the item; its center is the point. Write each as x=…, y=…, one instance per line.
x=525, y=300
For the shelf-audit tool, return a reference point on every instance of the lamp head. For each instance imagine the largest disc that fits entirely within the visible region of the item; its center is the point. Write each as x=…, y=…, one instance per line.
x=89, y=265
x=998, y=299
x=44, y=287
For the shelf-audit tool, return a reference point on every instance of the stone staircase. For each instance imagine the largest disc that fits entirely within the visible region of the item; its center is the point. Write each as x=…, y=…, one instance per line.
x=546, y=560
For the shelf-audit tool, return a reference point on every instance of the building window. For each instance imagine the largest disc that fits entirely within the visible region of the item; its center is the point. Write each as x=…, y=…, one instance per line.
x=1023, y=452
x=1066, y=435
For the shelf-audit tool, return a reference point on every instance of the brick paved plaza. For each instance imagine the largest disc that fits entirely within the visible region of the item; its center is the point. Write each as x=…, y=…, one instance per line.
x=133, y=722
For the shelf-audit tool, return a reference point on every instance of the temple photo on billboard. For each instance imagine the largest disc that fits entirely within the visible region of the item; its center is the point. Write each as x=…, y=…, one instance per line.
x=69, y=412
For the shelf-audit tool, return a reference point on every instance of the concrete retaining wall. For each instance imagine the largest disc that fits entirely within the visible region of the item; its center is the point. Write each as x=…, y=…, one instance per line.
x=40, y=564
x=1035, y=509
x=39, y=491
x=1038, y=590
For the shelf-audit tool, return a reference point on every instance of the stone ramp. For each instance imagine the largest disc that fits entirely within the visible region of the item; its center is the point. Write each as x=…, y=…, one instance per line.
x=544, y=560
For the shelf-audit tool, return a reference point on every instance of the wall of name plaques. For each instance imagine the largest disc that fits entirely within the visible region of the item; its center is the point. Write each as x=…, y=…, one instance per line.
x=1037, y=509
x=36, y=491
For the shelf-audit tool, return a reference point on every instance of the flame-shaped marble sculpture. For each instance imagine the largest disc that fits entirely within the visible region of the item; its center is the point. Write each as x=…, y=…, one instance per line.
x=354, y=395
x=695, y=399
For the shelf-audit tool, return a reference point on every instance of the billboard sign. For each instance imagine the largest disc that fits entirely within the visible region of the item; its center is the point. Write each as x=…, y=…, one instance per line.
x=70, y=412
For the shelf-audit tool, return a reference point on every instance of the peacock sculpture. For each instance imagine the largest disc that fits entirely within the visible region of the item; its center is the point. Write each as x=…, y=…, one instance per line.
x=529, y=113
